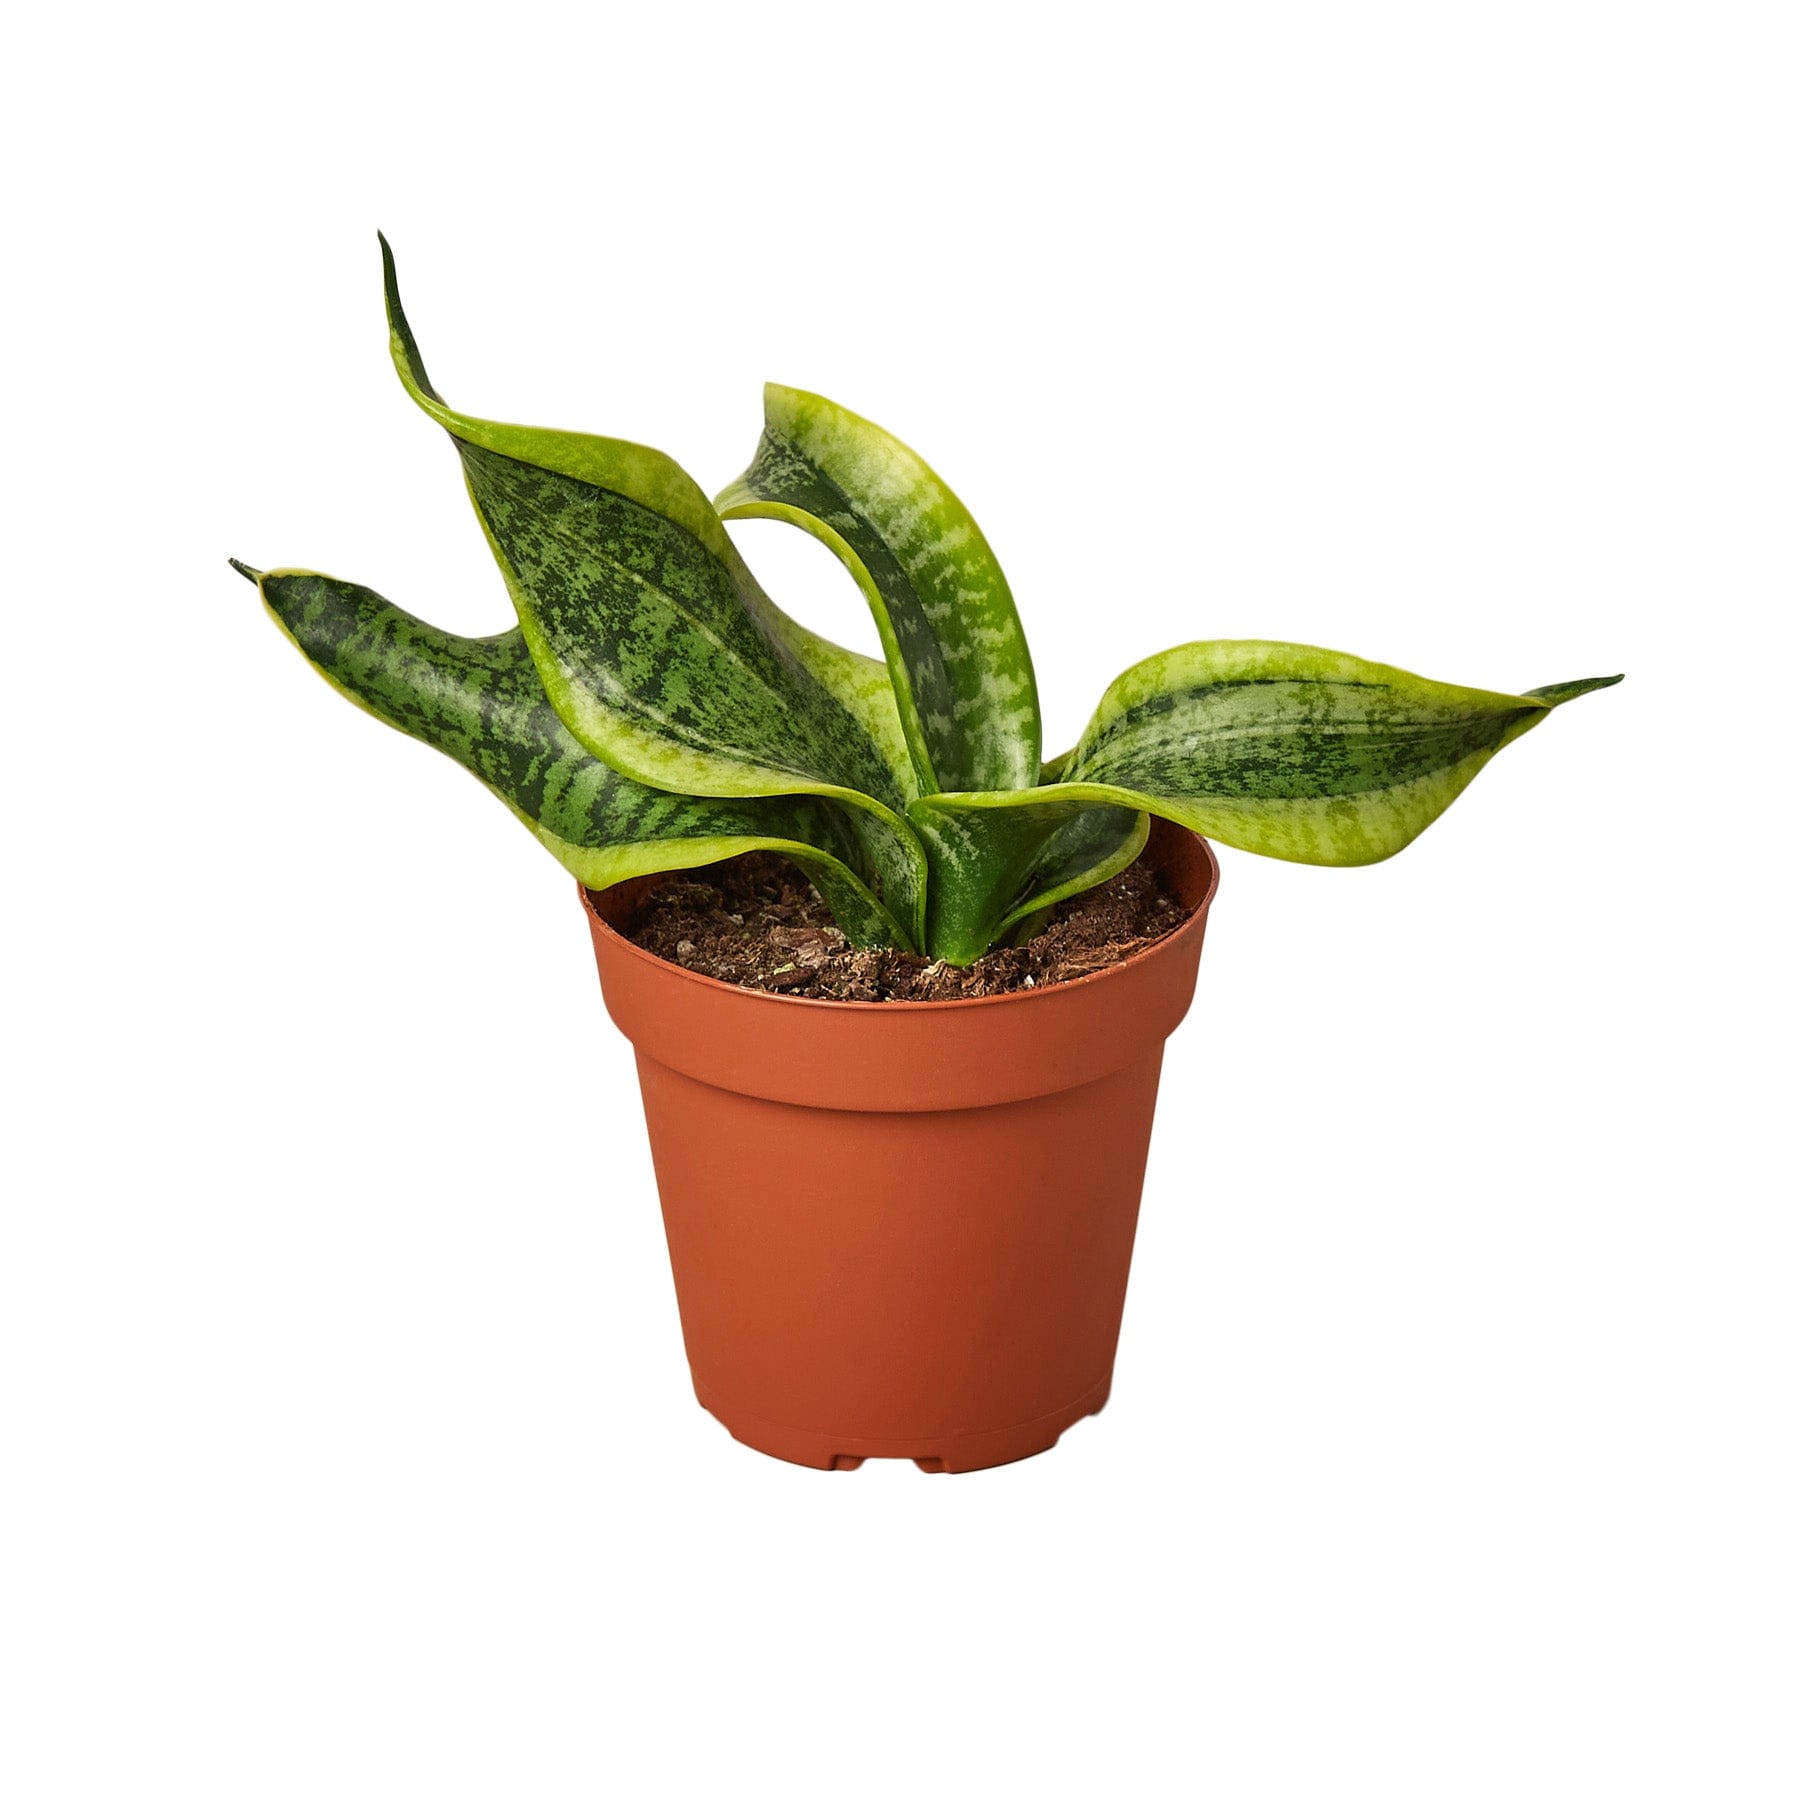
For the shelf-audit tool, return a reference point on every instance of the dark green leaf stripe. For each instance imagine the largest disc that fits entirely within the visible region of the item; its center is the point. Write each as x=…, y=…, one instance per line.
x=655, y=645
x=480, y=701
x=654, y=709
x=1290, y=751
x=951, y=634
x=647, y=651
x=1282, y=749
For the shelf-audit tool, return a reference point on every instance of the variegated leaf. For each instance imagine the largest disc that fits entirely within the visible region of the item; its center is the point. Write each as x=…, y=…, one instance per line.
x=654, y=709
x=954, y=645
x=1289, y=751
x=655, y=645
x=481, y=702
x=1294, y=752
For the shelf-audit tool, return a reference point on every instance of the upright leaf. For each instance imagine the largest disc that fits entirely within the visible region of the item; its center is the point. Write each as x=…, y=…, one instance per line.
x=480, y=702
x=656, y=646
x=954, y=645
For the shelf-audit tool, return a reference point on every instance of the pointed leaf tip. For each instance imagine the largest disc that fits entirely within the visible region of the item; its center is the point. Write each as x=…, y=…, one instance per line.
x=406, y=355
x=245, y=570
x=1559, y=691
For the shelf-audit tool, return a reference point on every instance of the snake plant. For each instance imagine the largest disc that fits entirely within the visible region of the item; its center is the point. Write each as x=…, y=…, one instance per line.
x=653, y=708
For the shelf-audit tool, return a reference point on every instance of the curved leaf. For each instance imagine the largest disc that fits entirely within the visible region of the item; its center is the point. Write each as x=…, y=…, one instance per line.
x=1282, y=749
x=995, y=868
x=1294, y=752
x=655, y=644
x=951, y=634
x=480, y=701
x=1289, y=751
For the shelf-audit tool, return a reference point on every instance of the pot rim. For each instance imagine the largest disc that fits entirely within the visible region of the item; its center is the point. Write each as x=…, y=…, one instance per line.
x=1195, y=920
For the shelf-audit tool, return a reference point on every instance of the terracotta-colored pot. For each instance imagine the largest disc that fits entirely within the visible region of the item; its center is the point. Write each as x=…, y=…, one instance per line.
x=902, y=1229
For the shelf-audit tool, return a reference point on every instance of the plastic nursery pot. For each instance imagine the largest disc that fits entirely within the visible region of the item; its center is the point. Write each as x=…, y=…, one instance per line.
x=903, y=1229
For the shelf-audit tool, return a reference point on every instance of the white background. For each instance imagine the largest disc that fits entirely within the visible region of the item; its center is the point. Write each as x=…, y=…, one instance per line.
x=348, y=1445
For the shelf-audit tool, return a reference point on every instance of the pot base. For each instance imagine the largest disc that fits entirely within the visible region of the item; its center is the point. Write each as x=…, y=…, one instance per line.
x=956, y=1454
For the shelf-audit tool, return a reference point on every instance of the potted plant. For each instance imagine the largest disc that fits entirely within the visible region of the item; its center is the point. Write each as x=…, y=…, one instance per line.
x=897, y=1227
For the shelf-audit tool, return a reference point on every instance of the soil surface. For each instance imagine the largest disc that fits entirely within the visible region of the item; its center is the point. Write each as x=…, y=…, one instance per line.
x=756, y=922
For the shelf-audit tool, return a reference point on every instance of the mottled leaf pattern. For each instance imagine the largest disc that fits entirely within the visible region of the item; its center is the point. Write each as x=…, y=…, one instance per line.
x=961, y=668
x=648, y=654
x=654, y=709
x=479, y=701
x=656, y=646
x=1293, y=752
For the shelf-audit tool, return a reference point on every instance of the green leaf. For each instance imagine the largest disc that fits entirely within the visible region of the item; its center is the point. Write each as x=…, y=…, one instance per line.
x=995, y=868
x=954, y=645
x=1294, y=752
x=480, y=701
x=1289, y=751
x=655, y=644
